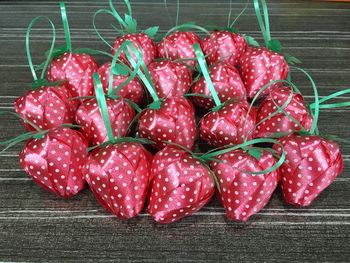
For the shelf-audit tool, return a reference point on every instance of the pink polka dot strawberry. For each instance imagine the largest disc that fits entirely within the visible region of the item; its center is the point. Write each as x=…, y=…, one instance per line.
x=180, y=186
x=224, y=46
x=245, y=187
x=174, y=122
x=118, y=175
x=227, y=83
x=312, y=163
x=54, y=160
x=231, y=124
x=132, y=91
x=171, y=79
x=77, y=69
x=179, y=45
x=294, y=117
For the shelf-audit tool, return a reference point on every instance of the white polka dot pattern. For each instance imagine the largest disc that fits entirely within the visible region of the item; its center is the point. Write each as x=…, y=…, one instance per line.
x=227, y=83
x=171, y=79
x=280, y=122
x=260, y=66
x=173, y=122
x=46, y=107
x=228, y=125
x=223, y=46
x=180, y=185
x=241, y=193
x=312, y=163
x=118, y=175
x=92, y=126
x=55, y=161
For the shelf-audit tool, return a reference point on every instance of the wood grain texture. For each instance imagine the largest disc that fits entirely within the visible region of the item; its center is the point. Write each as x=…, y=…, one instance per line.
x=36, y=226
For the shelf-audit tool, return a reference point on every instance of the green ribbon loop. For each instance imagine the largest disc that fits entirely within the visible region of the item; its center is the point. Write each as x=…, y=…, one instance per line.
x=49, y=57
x=229, y=24
x=66, y=27
x=332, y=105
x=177, y=12
x=205, y=71
x=102, y=104
x=263, y=20
x=101, y=11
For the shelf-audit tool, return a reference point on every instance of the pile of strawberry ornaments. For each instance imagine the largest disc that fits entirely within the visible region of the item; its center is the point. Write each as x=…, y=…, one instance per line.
x=127, y=127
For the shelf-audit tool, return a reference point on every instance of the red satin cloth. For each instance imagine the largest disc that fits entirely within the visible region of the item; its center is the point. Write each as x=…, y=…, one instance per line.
x=312, y=163
x=180, y=185
x=132, y=91
x=118, y=175
x=179, y=45
x=227, y=83
x=171, y=79
x=174, y=121
x=241, y=193
x=55, y=161
x=228, y=125
x=280, y=122
x=148, y=47
x=260, y=66
x=92, y=126
x=46, y=107
x=77, y=69
x=223, y=46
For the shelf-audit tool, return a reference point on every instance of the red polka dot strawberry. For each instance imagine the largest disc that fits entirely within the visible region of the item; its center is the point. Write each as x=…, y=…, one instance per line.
x=180, y=186
x=227, y=83
x=118, y=175
x=245, y=187
x=179, y=45
x=130, y=33
x=174, y=122
x=132, y=91
x=312, y=163
x=171, y=79
x=295, y=115
x=77, y=69
x=224, y=46
x=54, y=160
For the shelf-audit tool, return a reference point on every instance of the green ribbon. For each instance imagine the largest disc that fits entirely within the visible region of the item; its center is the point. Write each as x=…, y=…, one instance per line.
x=66, y=27
x=22, y=118
x=332, y=105
x=122, y=140
x=46, y=63
x=177, y=12
x=229, y=24
x=102, y=104
x=263, y=21
x=205, y=71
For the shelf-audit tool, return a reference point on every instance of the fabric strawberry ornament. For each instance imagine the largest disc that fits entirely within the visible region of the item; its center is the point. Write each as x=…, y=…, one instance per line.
x=132, y=91
x=180, y=186
x=227, y=83
x=48, y=105
x=293, y=116
x=130, y=33
x=247, y=179
x=224, y=46
x=171, y=79
x=118, y=175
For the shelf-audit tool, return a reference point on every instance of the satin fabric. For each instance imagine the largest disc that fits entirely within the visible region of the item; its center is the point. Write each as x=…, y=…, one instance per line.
x=118, y=175
x=132, y=91
x=171, y=79
x=55, y=161
x=260, y=66
x=223, y=46
x=46, y=107
x=174, y=122
x=180, y=185
x=312, y=163
x=148, y=47
x=281, y=123
x=229, y=125
x=77, y=69
x=243, y=194
x=92, y=125
x=179, y=45
x=227, y=83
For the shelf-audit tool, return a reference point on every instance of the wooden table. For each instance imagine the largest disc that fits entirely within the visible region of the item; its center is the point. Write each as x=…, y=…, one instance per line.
x=38, y=226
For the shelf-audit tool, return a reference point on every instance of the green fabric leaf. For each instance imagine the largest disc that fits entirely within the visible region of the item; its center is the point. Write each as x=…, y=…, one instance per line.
x=151, y=31
x=131, y=24
x=251, y=41
x=275, y=45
